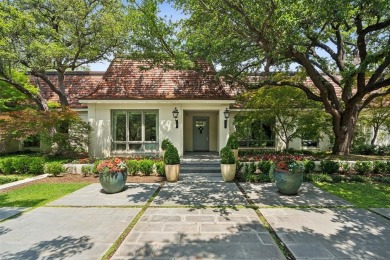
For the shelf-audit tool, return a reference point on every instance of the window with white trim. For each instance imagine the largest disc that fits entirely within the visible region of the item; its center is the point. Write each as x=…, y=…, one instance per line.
x=135, y=130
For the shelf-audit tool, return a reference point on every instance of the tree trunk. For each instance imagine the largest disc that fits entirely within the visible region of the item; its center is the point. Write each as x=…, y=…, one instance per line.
x=62, y=96
x=344, y=132
x=376, y=130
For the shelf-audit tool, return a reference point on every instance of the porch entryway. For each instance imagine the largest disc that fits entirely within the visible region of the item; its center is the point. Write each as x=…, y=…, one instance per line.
x=200, y=131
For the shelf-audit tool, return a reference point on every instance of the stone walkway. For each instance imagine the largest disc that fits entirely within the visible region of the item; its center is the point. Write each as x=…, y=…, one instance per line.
x=196, y=221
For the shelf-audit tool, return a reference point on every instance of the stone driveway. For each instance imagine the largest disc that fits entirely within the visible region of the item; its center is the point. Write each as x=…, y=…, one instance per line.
x=197, y=221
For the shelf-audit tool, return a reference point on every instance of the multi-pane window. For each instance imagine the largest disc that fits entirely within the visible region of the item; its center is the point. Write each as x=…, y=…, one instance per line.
x=254, y=134
x=134, y=130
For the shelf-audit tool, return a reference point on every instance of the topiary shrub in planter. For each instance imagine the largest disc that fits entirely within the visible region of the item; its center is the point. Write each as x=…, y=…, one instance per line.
x=172, y=164
x=232, y=142
x=165, y=143
x=228, y=164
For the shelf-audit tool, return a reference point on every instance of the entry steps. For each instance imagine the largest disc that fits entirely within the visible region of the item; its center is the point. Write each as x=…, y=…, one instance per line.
x=200, y=170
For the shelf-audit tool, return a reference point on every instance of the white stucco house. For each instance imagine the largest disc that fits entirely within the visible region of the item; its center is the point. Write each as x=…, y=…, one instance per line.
x=134, y=105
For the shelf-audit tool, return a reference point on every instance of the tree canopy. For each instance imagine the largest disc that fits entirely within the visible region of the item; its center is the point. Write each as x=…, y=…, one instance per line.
x=343, y=47
x=41, y=35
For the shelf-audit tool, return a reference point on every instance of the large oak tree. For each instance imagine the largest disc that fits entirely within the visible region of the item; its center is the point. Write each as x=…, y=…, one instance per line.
x=41, y=35
x=343, y=47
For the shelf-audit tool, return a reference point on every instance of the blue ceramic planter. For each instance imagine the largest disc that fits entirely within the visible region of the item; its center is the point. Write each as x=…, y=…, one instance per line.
x=113, y=182
x=288, y=183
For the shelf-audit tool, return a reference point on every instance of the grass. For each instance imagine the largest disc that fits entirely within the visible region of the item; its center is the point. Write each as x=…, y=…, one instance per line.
x=363, y=195
x=36, y=195
x=13, y=177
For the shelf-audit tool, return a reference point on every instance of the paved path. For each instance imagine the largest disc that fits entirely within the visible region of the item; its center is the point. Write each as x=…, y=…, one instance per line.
x=196, y=221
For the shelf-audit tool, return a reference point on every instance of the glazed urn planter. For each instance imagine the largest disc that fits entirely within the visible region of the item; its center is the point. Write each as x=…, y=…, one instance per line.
x=228, y=171
x=172, y=172
x=113, y=182
x=288, y=183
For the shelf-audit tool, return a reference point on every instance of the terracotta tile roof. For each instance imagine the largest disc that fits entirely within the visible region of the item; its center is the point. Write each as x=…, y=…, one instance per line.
x=134, y=80
x=77, y=84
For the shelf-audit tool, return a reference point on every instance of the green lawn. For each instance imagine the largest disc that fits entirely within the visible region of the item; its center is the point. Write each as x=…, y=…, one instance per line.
x=37, y=194
x=14, y=177
x=363, y=195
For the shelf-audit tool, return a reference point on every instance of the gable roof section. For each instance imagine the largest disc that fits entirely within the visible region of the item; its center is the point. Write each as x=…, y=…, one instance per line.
x=139, y=80
x=77, y=84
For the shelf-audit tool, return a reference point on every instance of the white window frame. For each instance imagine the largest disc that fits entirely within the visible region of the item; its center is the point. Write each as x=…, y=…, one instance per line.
x=127, y=142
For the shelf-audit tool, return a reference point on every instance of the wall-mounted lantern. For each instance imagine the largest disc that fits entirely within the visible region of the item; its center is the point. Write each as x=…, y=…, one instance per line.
x=226, y=113
x=175, y=114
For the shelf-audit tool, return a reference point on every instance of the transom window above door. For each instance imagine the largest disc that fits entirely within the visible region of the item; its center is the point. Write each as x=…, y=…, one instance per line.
x=135, y=130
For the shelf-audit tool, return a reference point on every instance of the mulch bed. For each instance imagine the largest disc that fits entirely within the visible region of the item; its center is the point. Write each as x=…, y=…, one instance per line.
x=73, y=178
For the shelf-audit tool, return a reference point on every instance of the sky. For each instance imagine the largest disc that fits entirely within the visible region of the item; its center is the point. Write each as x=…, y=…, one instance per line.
x=166, y=9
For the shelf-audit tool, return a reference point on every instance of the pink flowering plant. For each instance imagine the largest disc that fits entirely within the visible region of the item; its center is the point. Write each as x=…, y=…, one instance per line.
x=111, y=166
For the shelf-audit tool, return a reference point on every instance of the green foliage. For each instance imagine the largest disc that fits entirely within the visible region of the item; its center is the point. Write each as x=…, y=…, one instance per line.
x=38, y=194
x=60, y=44
x=171, y=156
x=309, y=166
x=133, y=167
x=362, y=195
x=264, y=166
x=94, y=167
x=63, y=132
x=329, y=167
x=146, y=166
x=232, y=141
x=245, y=37
x=54, y=168
x=160, y=167
x=22, y=165
x=6, y=165
x=362, y=167
x=227, y=156
x=366, y=149
x=165, y=143
x=86, y=170
x=379, y=167
x=9, y=179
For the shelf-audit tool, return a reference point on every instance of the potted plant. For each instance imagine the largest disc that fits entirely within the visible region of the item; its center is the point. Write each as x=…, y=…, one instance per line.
x=288, y=176
x=164, y=145
x=232, y=142
x=228, y=164
x=112, y=175
x=172, y=164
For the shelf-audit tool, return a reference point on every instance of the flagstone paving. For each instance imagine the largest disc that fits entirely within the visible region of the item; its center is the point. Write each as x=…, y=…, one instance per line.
x=199, y=194
x=331, y=233
x=63, y=233
x=7, y=212
x=382, y=211
x=93, y=195
x=185, y=233
x=190, y=221
x=266, y=194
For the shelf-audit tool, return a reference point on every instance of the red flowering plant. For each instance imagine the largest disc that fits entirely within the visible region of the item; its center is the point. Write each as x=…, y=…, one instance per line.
x=288, y=162
x=111, y=166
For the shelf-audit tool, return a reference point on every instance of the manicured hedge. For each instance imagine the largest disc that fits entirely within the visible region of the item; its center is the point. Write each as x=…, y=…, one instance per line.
x=22, y=165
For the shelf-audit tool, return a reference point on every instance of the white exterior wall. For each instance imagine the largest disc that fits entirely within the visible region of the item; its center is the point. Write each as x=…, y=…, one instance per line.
x=99, y=116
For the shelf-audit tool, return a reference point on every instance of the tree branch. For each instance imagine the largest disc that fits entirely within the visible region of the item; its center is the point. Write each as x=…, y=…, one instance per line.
x=372, y=97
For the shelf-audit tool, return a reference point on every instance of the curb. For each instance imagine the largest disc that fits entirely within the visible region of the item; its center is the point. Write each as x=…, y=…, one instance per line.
x=16, y=183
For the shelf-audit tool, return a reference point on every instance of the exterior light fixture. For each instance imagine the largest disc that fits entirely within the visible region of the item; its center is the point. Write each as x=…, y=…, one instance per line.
x=226, y=113
x=175, y=114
